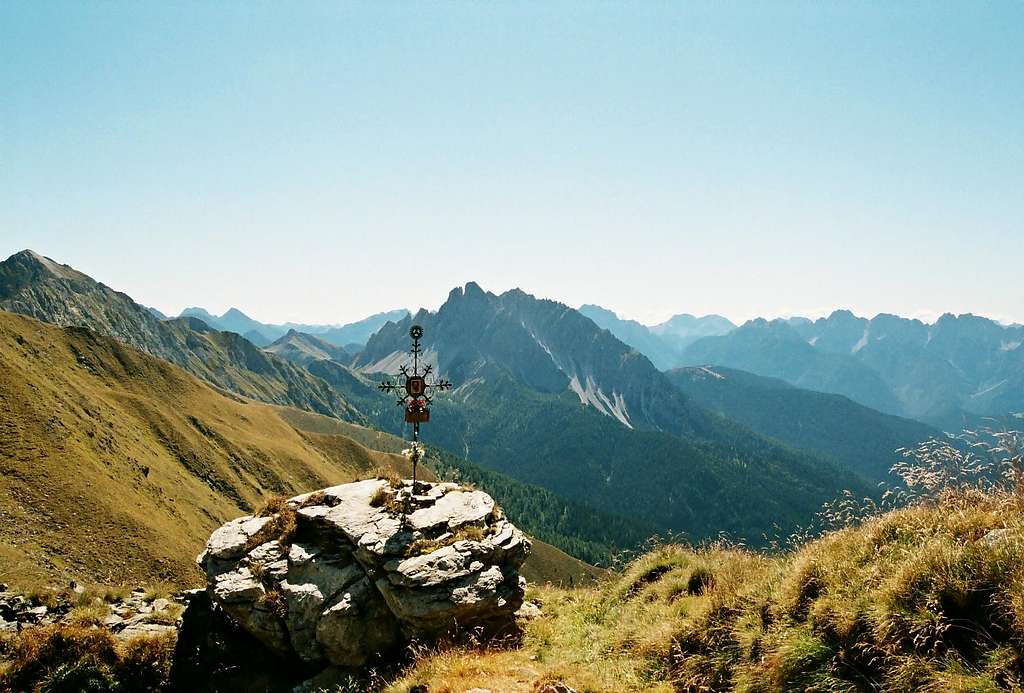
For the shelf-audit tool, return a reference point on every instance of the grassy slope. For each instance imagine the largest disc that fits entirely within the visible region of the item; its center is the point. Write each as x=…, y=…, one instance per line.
x=116, y=465
x=913, y=600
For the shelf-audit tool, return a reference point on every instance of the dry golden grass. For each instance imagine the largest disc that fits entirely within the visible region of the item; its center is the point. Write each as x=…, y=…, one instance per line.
x=74, y=657
x=89, y=615
x=159, y=590
x=379, y=498
x=272, y=505
x=315, y=498
x=168, y=616
x=421, y=547
x=911, y=600
x=275, y=602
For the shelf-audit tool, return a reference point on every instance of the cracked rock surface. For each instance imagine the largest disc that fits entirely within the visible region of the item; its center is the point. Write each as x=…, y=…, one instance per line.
x=342, y=574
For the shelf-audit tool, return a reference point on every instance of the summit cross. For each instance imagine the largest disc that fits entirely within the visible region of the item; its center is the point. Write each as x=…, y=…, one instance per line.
x=413, y=389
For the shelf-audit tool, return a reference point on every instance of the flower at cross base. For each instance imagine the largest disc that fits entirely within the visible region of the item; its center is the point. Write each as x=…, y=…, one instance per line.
x=415, y=452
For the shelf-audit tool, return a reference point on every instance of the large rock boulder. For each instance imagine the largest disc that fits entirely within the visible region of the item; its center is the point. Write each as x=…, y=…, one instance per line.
x=340, y=575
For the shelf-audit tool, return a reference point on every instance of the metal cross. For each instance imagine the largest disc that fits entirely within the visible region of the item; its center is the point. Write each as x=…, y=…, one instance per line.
x=413, y=393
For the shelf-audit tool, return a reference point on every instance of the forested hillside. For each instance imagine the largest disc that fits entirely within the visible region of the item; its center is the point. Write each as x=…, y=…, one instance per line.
x=861, y=439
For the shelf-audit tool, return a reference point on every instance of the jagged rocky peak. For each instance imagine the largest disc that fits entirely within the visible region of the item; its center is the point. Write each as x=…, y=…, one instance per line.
x=28, y=266
x=340, y=575
x=465, y=299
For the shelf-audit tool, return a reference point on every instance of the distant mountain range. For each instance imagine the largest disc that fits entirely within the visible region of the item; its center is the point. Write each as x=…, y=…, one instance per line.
x=776, y=350
x=569, y=401
x=351, y=336
x=948, y=374
x=301, y=348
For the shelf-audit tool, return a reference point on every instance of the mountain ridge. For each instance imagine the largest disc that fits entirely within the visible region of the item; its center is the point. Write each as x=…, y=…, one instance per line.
x=301, y=348
x=39, y=287
x=945, y=373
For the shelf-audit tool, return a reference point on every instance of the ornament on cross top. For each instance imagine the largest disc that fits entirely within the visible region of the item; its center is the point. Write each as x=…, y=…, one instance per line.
x=413, y=388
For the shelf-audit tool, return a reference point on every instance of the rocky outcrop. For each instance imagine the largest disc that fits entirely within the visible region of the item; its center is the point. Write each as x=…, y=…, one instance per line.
x=341, y=575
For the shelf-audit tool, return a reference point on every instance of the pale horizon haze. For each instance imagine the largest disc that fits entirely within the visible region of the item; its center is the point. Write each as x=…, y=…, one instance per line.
x=319, y=162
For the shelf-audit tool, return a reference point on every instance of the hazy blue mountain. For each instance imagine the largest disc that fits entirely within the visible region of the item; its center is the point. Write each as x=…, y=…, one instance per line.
x=156, y=313
x=360, y=331
x=234, y=320
x=547, y=396
x=861, y=439
x=662, y=344
x=632, y=333
x=797, y=322
x=778, y=350
x=202, y=314
x=682, y=330
x=238, y=322
x=956, y=368
x=258, y=338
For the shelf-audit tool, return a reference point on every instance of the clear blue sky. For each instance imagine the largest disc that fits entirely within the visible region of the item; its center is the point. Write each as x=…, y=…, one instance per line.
x=322, y=161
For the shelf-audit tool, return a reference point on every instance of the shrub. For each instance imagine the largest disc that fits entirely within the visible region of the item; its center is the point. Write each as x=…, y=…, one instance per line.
x=700, y=581
x=379, y=498
x=90, y=615
x=274, y=601
x=391, y=476
x=144, y=663
x=65, y=658
x=80, y=677
x=394, y=480
x=272, y=506
x=282, y=527
x=389, y=501
x=168, y=616
x=158, y=590
x=315, y=498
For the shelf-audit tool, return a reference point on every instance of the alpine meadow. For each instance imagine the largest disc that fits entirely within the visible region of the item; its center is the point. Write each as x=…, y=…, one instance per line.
x=511, y=348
